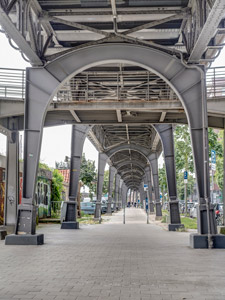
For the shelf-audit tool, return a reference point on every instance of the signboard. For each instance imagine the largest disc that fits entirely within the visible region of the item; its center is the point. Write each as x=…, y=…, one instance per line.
x=185, y=176
x=145, y=187
x=213, y=160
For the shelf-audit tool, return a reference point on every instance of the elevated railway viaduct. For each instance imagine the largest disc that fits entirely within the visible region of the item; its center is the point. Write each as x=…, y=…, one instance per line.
x=121, y=72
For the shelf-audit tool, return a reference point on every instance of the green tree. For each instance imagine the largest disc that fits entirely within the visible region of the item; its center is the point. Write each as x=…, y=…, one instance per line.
x=88, y=174
x=106, y=182
x=183, y=149
x=44, y=166
x=163, y=181
x=57, y=185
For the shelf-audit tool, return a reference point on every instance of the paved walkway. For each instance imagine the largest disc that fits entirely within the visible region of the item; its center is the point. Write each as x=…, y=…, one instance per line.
x=112, y=261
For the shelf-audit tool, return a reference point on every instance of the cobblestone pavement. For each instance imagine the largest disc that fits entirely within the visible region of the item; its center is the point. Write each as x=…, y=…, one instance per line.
x=112, y=261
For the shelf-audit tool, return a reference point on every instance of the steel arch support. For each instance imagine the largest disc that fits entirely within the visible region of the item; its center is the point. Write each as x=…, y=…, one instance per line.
x=166, y=135
x=120, y=194
x=12, y=180
x=149, y=182
x=127, y=162
x=39, y=87
x=142, y=194
x=112, y=172
x=79, y=133
x=102, y=159
x=116, y=194
x=187, y=81
x=154, y=164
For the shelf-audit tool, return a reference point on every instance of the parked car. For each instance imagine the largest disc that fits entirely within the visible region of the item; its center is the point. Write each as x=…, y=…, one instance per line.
x=88, y=207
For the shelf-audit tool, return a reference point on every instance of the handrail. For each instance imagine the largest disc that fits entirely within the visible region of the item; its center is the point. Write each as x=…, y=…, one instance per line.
x=12, y=86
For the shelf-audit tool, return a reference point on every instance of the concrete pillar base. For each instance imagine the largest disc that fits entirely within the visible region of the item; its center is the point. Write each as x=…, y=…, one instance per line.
x=221, y=229
x=24, y=239
x=200, y=241
x=3, y=234
x=70, y=225
x=174, y=227
x=158, y=218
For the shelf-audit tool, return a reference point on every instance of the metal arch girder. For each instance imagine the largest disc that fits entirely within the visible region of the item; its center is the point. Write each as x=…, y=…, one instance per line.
x=131, y=180
x=133, y=170
x=130, y=176
x=186, y=81
x=134, y=162
x=145, y=152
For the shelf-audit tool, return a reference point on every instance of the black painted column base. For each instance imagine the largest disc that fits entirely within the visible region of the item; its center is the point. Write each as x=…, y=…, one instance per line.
x=175, y=227
x=3, y=234
x=158, y=211
x=24, y=239
x=151, y=207
x=200, y=241
x=70, y=225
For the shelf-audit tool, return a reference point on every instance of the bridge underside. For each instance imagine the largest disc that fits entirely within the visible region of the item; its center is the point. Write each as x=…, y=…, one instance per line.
x=104, y=65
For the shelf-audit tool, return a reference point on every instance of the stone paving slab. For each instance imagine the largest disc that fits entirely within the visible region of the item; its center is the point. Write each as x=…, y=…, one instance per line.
x=112, y=261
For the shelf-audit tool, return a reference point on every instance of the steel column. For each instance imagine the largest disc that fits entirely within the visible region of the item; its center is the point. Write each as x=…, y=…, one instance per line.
x=12, y=180
x=166, y=134
x=79, y=133
x=149, y=182
x=120, y=194
x=154, y=165
x=102, y=159
x=116, y=194
x=112, y=172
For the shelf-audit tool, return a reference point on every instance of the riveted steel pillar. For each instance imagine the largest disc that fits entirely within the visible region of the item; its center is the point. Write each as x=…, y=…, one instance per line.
x=12, y=180
x=116, y=194
x=166, y=134
x=149, y=182
x=142, y=194
x=39, y=87
x=120, y=194
x=79, y=133
x=112, y=172
x=154, y=165
x=102, y=159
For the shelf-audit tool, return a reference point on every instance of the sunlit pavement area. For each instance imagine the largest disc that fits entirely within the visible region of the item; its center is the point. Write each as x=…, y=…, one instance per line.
x=112, y=261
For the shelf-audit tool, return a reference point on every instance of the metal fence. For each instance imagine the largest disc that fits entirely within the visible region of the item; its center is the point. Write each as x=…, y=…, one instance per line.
x=91, y=86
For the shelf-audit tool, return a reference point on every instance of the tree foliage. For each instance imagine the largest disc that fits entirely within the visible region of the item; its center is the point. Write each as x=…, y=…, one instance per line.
x=184, y=159
x=106, y=182
x=88, y=174
x=57, y=185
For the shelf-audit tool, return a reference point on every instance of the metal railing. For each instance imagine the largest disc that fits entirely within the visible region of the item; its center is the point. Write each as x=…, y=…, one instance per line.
x=12, y=83
x=215, y=82
x=114, y=86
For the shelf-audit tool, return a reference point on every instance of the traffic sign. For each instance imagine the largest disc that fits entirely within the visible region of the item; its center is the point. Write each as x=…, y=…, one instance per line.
x=145, y=187
x=213, y=156
x=185, y=174
x=213, y=160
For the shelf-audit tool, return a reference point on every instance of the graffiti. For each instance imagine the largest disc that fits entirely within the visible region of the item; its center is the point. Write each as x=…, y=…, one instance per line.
x=11, y=200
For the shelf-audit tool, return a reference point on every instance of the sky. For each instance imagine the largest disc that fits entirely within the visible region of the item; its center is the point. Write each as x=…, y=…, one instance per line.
x=56, y=140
